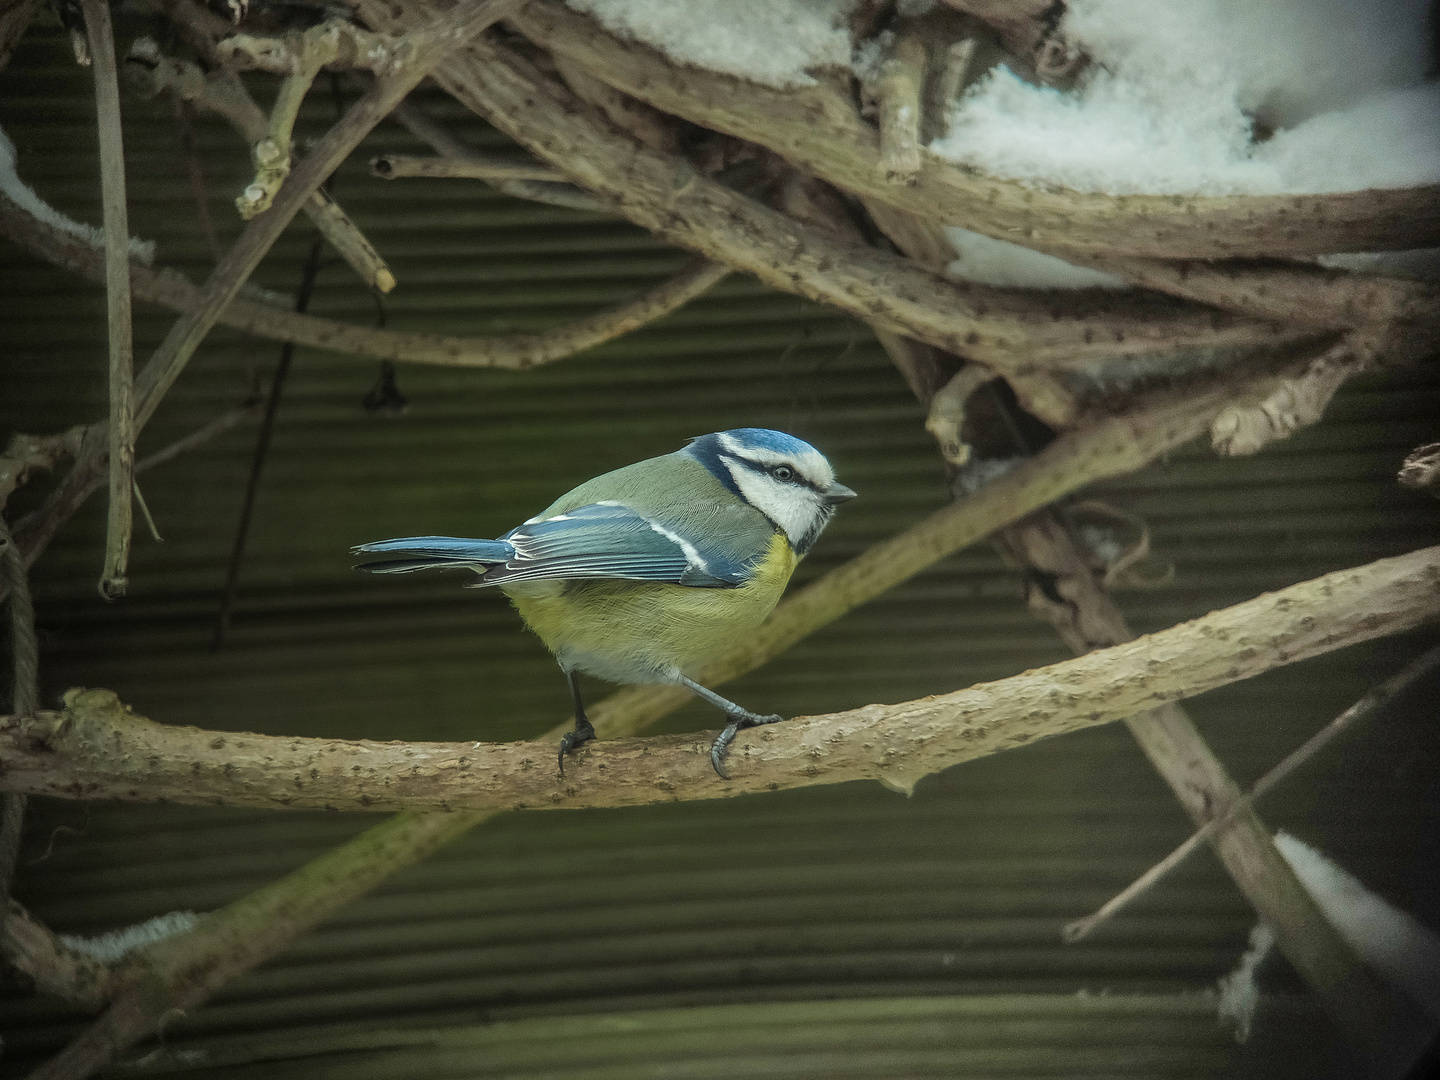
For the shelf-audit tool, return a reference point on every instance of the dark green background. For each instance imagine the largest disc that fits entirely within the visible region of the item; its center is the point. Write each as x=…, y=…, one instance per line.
x=843, y=931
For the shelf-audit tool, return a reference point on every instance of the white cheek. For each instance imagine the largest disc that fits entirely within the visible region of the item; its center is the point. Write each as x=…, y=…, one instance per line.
x=788, y=507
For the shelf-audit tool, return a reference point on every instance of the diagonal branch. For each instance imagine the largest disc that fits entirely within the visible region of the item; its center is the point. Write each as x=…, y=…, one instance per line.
x=413, y=59
x=1375, y=699
x=665, y=194
x=187, y=969
x=96, y=748
x=1088, y=621
x=819, y=129
x=513, y=351
x=221, y=92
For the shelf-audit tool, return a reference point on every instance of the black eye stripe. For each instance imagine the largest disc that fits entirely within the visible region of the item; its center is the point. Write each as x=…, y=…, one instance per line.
x=797, y=477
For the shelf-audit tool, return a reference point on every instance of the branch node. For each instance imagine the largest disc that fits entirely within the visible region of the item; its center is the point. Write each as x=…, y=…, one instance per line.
x=1421, y=470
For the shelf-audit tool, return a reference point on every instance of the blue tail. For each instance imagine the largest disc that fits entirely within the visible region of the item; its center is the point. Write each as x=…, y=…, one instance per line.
x=429, y=552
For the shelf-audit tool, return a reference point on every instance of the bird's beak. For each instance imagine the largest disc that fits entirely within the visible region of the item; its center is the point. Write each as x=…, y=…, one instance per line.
x=838, y=493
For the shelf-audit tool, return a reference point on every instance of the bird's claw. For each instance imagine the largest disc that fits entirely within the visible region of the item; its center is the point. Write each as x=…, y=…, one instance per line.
x=722, y=743
x=571, y=739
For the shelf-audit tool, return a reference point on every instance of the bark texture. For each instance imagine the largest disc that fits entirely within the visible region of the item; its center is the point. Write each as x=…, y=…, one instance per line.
x=96, y=748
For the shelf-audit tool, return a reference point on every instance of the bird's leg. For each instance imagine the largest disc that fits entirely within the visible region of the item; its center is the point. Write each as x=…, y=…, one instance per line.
x=584, y=731
x=740, y=719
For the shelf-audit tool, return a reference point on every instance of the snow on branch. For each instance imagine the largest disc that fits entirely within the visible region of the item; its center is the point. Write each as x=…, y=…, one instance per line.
x=97, y=748
x=820, y=129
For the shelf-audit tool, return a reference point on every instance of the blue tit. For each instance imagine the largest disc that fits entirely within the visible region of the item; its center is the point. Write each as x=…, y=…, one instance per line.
x=644, y=574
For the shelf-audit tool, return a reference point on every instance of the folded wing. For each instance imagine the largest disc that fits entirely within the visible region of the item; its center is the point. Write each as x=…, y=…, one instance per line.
x=601, y=540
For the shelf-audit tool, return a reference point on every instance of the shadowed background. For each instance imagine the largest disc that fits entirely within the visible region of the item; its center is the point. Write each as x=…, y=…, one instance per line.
x=843, y=931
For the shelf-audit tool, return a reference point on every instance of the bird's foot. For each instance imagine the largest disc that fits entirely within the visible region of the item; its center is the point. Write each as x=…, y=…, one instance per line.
x=739, y=721
x=584, y=732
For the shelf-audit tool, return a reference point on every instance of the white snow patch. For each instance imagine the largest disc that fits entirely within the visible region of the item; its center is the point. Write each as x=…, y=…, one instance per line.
x=1238, y=993
x=1395, y=943
x=24, y=196
x=773, y=42
x=988, y=261
x=1169, y=106
x=112, y=946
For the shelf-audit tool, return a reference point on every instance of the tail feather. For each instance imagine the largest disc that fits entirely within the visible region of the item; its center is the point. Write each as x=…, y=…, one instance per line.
x=429, y=552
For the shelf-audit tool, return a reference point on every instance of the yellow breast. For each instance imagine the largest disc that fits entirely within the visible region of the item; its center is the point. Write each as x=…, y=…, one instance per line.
x=640, y=632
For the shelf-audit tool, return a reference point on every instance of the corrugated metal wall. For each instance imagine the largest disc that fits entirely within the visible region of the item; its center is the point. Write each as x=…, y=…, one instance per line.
x=842, y=931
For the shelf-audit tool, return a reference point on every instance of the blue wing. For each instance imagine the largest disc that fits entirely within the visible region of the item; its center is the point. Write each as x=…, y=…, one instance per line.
x=610, y=540
x=601, y=540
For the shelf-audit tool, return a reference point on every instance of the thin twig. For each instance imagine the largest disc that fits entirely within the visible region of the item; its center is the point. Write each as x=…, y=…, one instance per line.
x=423, y=50
x=195, y=172
x=512, y=351
x=474, y=166
x=199, y=436
x=25, y=694
x=428, y=130
x=1374, y=700
x=145, y=514
x=308, y=275
x=38, y=528
x=221, y=92
x=117, y=294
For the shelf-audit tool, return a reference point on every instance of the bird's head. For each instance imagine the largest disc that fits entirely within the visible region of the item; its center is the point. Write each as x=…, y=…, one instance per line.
x=783, y=477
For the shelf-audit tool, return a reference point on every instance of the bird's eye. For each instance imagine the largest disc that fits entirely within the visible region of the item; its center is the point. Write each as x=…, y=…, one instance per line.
x=783, y=473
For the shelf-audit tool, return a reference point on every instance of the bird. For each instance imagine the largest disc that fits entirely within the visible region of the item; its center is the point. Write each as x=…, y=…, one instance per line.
x=644, y=574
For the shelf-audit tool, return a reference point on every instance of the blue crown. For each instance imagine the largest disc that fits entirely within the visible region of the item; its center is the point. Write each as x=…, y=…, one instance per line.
x=759, y=438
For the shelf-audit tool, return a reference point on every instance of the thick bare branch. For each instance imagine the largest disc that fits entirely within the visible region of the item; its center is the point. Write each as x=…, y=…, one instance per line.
x=1021, y=24
x=668, y=196
x=185, y=970
x=819, y=129
x=300, y=57
x=1087, y=619
x=117, y=294
x=1302, y=294
x=96, y=748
